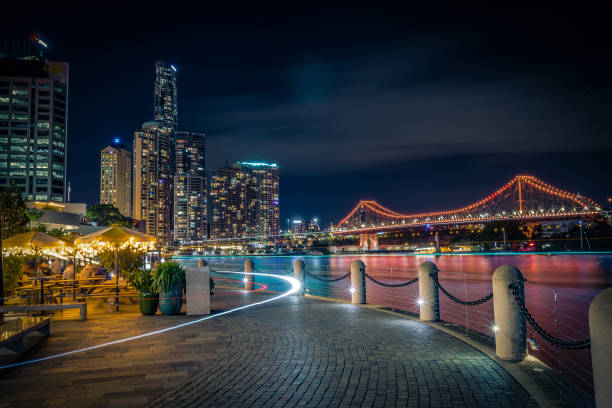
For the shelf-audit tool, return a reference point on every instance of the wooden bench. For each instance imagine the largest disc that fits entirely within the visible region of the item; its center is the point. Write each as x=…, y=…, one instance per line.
x=37, y=308
x=13, y=332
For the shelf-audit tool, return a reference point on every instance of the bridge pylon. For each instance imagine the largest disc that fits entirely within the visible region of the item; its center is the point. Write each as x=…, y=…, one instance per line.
x=368, y=242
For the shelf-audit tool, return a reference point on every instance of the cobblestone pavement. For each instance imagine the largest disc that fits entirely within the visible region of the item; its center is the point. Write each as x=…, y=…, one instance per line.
x=294, y=352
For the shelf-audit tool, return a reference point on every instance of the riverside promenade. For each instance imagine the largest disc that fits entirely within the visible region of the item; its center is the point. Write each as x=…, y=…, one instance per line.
x=291, y=352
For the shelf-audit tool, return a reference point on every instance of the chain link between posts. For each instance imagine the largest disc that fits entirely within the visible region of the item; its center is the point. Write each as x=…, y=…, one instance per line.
x=461, y=301
x=564, y=344
x=327, y=280
x=391, y=285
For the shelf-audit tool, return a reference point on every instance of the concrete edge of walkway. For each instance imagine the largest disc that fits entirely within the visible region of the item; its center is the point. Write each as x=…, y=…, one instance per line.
x=537, y=378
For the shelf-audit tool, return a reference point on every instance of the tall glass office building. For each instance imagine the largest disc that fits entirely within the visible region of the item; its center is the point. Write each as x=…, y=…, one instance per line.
x=33, y=120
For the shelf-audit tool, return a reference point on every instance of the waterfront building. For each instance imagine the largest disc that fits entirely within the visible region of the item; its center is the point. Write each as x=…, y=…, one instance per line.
x=227, y=202
x=190, y=210
x=244, y=200
x=33, y=120
x=302, y=227
x=152, y=179
x=263, y=198
x=116, y=177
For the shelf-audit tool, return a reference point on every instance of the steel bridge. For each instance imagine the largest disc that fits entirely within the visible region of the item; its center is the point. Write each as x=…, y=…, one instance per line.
x=522, y=198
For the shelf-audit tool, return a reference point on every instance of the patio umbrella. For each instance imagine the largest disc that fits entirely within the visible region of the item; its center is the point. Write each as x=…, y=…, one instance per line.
x=33, y=241
x=115, y=237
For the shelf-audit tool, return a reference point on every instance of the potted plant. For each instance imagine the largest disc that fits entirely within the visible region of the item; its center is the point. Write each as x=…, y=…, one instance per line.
x=169, y=281
x=148, y=297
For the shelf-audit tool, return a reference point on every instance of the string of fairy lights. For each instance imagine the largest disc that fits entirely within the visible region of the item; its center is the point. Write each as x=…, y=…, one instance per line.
x=587, y=208
x=66, y=250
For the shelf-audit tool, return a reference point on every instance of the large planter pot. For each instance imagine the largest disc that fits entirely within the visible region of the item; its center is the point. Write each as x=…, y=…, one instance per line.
x=148, y=303
x=170, y=302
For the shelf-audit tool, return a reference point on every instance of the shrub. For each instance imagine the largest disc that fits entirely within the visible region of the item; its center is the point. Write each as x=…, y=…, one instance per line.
x=167, y=275
x=143, y=281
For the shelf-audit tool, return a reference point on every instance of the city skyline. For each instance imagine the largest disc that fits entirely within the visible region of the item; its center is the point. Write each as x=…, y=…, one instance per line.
x=418, y=125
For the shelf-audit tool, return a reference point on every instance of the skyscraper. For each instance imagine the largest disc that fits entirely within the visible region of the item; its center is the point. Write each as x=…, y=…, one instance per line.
x=227, y=202
x=165, y=102
x=116, y=177
x=33, y=120
x=263, y=200
x=244, y=200
x=190, y=199
x=152, y=175
x=190, y=153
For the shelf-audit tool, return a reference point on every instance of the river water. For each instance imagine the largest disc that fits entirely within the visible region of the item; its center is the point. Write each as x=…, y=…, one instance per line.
x=558, y=291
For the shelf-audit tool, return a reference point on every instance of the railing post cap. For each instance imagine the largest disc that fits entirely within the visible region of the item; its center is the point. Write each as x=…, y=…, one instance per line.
x=358, y=262
x=249, y=262
x=298, y=262
x=507, y=273
x=202, y=263
x=601, y=306
x=429, y=266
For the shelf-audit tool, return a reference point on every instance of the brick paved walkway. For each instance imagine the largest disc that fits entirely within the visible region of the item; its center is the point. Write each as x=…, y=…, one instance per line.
x=295, y=352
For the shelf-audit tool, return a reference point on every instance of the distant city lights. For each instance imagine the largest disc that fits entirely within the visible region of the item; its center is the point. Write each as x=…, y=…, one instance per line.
x=258, y=164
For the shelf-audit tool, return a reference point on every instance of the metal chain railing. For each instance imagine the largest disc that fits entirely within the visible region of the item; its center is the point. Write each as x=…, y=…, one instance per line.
x=327, y=280
x=461, y=301
x=391, y=285
x=565, y=344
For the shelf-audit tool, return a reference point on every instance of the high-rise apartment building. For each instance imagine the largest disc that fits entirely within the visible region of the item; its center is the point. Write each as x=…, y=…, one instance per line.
x=165, y=102
x=190, y=199
x=190, y=153
x=33, y=120
x=263, y=200
x=152, y=179
x=244, y=200
x=227, y=202
x=116, y=177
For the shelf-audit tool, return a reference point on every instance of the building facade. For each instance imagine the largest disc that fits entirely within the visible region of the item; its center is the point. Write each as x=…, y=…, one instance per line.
x=263, y=198
x=152, y=179
x=227, y=202
x=244, y=200
x=116, y=177
x=165, y=101
x=33, y=121
x=190, y=199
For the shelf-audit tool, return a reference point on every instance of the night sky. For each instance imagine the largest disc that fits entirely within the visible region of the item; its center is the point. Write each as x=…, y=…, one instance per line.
x=418, y=109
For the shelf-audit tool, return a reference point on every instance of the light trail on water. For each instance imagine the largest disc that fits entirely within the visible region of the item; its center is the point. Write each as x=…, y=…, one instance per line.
x=295, y=286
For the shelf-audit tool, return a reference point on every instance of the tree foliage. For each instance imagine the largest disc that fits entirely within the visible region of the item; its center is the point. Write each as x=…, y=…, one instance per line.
x=12, y=265
x=130, y=260
x=106, y=215
x=494, y=231
x=13, y=212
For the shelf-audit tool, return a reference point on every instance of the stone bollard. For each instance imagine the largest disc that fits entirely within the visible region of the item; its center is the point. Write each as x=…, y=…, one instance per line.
x=298, y=273
x=249, y=266
x=428, y=301
x=358, y=288
x=509, y=326
x=197, y=289
x=600, y=327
